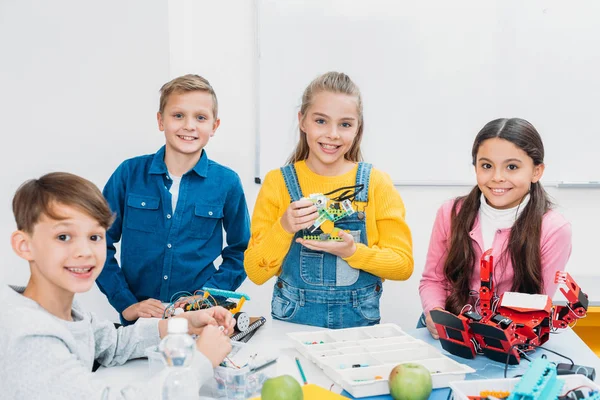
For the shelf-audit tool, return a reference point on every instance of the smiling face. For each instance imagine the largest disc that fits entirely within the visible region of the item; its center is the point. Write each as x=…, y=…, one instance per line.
x=66, y=255
x=505, y=172
x=188, y=122
x=331, y=123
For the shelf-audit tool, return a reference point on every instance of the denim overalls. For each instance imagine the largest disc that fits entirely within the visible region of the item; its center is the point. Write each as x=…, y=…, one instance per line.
x=317, y=288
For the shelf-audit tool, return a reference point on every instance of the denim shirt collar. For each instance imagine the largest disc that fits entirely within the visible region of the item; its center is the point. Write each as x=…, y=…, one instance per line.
x=159, y=167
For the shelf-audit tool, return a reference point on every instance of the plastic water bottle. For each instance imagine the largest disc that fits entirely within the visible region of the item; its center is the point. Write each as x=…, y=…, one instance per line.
x=178, y=349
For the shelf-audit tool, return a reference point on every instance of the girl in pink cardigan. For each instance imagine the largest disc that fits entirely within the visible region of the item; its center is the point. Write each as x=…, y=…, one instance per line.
x=508, y=211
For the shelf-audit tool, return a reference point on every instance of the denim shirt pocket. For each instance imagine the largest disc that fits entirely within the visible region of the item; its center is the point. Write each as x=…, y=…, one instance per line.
x=205, y=219
x=311, y=266
x=142, y=212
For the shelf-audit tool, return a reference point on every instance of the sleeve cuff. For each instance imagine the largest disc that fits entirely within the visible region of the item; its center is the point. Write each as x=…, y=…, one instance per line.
x=282, y=236
x=122, y=300
x=358, y=254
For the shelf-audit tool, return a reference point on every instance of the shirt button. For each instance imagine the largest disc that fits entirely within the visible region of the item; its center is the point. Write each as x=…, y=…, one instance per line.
x=165, y=277
x=210, y=213
x=168, y=216
x=499, y=231
x=143, y=204
x=169, y=245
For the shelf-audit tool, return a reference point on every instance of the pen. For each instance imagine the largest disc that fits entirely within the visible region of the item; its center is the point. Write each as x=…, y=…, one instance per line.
x=301, y=371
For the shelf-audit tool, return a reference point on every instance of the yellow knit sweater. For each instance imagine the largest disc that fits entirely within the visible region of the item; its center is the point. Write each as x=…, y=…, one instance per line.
x=389, y=251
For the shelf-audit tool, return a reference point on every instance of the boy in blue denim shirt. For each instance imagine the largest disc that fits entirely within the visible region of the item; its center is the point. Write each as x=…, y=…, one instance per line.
x=171, y=208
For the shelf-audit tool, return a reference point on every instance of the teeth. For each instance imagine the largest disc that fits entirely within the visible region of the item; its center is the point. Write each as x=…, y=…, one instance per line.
x=499, y=190
x=187, y=137
x=79, y=270
x=329, y=146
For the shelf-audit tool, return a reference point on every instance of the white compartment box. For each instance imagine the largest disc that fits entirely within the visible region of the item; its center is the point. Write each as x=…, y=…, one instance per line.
x=461, y=390
x=361, y=359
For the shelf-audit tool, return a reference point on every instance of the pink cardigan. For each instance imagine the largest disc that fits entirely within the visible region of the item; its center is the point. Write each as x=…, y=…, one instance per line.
x=555, y=248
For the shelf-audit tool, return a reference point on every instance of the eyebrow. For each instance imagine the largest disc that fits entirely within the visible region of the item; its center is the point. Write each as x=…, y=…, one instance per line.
x=67, y=224
x=327, y=116
x=505, y=161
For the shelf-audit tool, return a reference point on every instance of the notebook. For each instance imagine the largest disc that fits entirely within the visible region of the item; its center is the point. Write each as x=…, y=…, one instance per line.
x=255, y=323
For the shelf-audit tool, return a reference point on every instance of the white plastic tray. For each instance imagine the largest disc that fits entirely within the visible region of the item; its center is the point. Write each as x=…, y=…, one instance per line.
x=361, y=359
x=461, y=390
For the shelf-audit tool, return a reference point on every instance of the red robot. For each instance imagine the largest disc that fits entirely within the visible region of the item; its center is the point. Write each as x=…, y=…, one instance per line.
x=515, y=323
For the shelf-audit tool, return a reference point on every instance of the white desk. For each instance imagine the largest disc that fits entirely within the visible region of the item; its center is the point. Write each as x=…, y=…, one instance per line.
x=273, y=336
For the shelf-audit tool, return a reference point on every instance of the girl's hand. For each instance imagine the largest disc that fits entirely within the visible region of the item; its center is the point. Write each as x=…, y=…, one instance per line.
x=431, y=326
x=342, y=249
x=299, y=215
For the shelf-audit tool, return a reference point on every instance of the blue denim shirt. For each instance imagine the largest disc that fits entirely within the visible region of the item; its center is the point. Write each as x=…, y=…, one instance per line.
x=163, y=252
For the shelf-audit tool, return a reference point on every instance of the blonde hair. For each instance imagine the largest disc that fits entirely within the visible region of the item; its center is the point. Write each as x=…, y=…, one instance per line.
x=334, y=82
x=36, y=197
x=187, y=83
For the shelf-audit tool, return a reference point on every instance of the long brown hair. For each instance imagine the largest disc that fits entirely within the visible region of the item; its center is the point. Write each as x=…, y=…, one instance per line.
x=335, y=82
x=524, y=241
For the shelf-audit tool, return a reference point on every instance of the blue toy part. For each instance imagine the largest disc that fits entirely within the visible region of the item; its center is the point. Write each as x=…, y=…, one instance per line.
x=226, y=293
x=538, y=383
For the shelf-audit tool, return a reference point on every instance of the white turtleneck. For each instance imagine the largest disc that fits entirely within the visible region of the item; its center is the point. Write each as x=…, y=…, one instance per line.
x=492, y=219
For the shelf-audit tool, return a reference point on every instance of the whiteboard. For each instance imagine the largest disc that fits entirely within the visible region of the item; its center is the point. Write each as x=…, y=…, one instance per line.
x=432, y=73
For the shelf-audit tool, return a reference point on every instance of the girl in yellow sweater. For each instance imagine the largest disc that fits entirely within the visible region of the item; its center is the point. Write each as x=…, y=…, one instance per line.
x=330, y=276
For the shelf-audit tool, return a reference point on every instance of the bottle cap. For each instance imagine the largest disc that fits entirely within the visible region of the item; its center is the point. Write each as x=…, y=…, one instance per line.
x=177, y=325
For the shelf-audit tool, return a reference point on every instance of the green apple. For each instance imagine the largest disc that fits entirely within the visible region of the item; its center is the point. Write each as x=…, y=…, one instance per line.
x=283, y=387
x=410, y=381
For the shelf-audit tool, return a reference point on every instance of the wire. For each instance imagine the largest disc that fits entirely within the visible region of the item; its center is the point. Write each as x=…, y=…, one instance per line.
x=347, y=193
x=537, y=347
x=567, y=394
x=232, y=363
x=465, y=306
x=181, y=293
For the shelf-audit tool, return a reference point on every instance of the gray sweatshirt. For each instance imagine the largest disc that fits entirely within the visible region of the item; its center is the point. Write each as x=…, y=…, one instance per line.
x=42, y=356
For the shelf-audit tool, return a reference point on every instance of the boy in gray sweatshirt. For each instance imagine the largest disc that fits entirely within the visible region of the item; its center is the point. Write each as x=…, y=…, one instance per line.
x=47, y=342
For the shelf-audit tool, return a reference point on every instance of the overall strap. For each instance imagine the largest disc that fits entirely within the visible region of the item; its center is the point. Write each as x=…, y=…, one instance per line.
x=291, y=181
x=363, y=176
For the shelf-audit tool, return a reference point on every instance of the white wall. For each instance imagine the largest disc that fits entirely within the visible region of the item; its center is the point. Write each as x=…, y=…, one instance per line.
x=227, y=34
x=216, y=39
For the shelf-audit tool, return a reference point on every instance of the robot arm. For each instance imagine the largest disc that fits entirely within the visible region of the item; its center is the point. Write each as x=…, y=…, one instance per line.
x=577, y=302
x=486, y=291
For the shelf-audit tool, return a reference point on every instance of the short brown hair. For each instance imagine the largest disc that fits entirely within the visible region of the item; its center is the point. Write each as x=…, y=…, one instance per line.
x=35, y=198
x=187, y=83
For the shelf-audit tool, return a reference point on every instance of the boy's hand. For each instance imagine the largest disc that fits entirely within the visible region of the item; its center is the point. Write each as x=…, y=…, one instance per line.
x=431, y=325
x=342, y=249
x=181, y=303
x=214, y=316
x=144, y=309
x=299, y=215
x=214, y=344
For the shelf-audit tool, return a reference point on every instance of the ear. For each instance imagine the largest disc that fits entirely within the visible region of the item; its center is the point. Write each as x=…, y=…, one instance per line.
x=159, y=119
x=20, y=242
x=301, y=121
x=215, y=126
x=538, y=171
